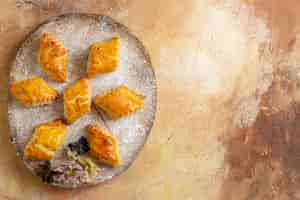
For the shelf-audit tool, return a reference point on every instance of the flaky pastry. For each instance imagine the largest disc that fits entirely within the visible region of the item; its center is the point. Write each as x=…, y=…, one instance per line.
x=103, y=145
x=77, y=100
x=33, y=92
x=119, y=102
x=104, y=57
x=53, y=57
x=46, y=140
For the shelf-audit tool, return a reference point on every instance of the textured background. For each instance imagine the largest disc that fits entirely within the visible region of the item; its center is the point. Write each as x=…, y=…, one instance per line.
x=228, y=77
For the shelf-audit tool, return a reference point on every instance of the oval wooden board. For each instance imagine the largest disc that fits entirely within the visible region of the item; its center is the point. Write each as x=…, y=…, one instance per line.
x=78, y=32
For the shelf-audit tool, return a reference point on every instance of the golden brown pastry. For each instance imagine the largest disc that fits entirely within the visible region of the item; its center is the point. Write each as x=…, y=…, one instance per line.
x=46, y=140
x=77, y=100
x=104, y=57
x=33, y=92
x=53, y=57
x=103, y=145
x=119, y=102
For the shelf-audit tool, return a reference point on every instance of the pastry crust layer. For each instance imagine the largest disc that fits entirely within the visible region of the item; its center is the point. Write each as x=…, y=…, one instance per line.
x=119, y=102
x=33, y=92
x=103, y=145
x=77, y=100
x=104, y=57
x=53, y=57
x=46, y=140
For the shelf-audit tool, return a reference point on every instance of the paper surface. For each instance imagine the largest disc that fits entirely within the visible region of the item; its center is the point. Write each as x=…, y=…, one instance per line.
x=226, y=125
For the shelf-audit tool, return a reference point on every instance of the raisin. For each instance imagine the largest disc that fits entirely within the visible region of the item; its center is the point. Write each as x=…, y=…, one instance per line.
x=48, y=178
x=44, y=171
x=80, y=147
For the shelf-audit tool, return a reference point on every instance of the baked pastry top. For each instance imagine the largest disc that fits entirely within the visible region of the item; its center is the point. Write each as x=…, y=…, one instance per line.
x=119, y=102
x=103, y=57
x=46, y=140
x=53, y=57
x=77, y=100
x=33, y=92
x=103, y=145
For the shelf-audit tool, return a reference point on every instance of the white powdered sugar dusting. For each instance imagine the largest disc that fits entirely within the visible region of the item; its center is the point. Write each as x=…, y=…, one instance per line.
x=235, y=40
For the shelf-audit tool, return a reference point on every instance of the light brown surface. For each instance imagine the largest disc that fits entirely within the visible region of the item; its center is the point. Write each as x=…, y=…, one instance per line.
x=221, y=132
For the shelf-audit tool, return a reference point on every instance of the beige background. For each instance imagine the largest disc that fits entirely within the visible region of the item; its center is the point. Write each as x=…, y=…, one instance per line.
x=228, y=78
